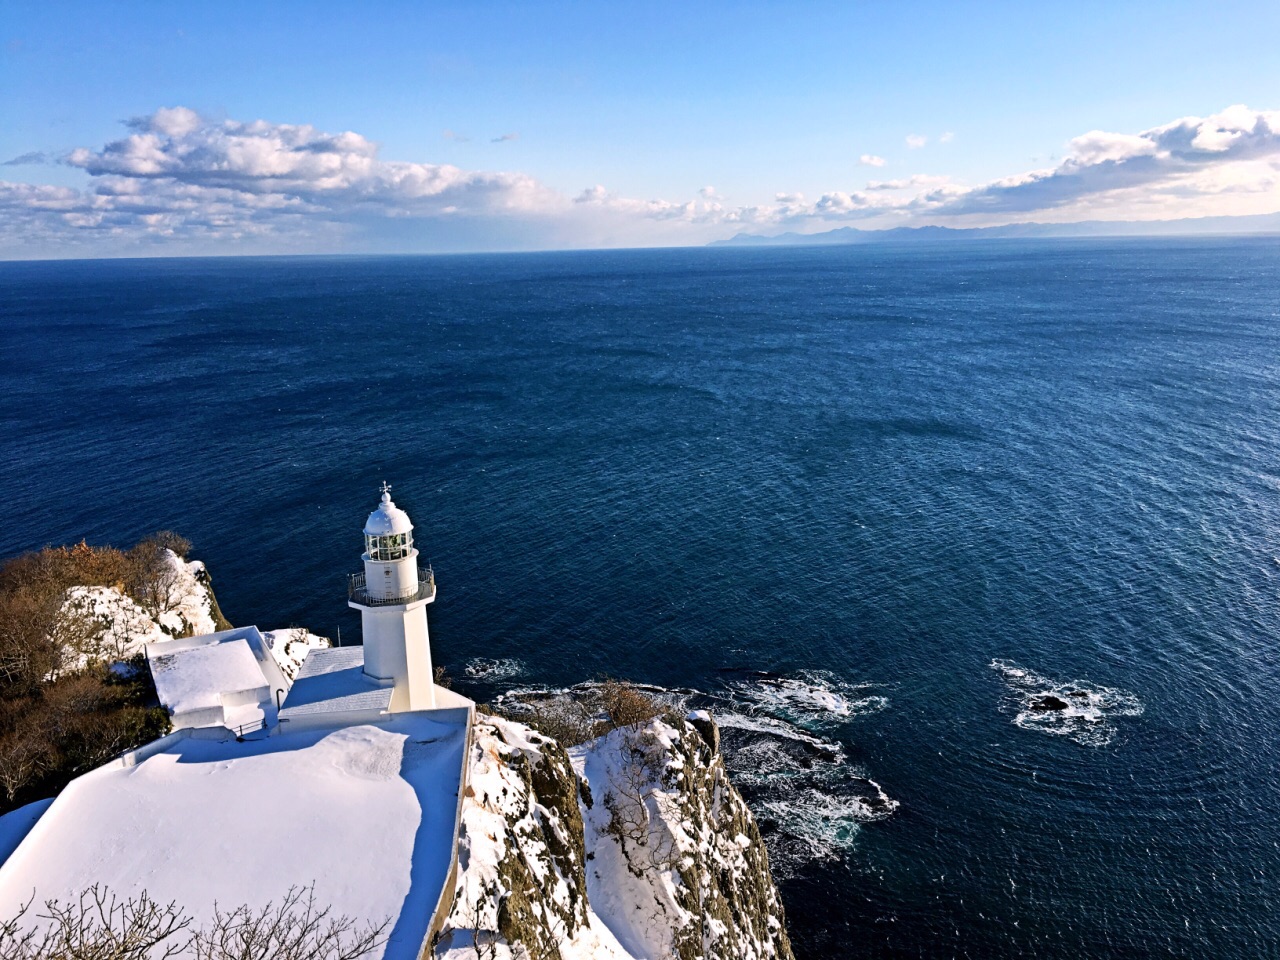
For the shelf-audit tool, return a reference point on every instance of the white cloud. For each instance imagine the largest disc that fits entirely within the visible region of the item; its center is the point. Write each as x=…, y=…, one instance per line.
x=1164, y=162
x=178, y=181
x=946, y=137
x=871, y=160
x=915, y=141
x=905, y=183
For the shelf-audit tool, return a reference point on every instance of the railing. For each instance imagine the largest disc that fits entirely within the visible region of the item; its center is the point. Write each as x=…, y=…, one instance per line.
x=254, y=727
x=358, y=592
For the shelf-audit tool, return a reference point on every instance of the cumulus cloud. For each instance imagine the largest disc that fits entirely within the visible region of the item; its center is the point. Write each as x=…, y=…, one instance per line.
x=178, y=147
x=177, y=177
x=946, y=137
x=1195, y=155
x=871, y=160
x=915, y=141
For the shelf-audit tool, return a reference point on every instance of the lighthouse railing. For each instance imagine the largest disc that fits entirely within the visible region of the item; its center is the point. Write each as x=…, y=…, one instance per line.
x=358, y=592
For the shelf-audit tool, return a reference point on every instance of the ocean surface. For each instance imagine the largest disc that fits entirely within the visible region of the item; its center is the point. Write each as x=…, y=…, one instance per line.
x=883, y=507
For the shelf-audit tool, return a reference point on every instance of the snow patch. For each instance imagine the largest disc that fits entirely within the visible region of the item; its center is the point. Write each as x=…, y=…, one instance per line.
x=290, y=647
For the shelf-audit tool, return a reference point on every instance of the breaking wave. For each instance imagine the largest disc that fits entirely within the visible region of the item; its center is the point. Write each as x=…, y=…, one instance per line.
x=483, y=668
x=810, y=698
x=1079, y=710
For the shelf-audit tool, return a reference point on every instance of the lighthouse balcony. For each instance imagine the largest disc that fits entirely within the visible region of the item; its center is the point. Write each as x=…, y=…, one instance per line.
x=358, y=592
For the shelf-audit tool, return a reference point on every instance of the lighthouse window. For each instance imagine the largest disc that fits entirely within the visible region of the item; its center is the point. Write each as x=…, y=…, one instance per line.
x=394, y=546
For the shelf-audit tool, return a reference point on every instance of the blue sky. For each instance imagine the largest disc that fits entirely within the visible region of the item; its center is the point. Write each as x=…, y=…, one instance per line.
x=499, y=126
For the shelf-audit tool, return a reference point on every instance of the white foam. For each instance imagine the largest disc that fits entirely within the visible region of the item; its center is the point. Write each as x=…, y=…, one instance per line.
x=1088, y=714
x=815, y=697
x=823, y=825
x=484, y=668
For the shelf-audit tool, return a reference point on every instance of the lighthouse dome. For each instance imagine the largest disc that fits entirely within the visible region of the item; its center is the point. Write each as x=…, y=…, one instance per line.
x=388, y=519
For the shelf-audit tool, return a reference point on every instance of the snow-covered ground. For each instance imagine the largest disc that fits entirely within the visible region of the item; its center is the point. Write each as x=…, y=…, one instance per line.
x=364, y=812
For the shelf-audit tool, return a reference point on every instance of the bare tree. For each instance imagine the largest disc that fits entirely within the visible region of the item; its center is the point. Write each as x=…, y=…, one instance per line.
x=24, y=757
x=639, y=808
x=98, y=926
x=625, y=704
x=155, y=580
x=296, y=929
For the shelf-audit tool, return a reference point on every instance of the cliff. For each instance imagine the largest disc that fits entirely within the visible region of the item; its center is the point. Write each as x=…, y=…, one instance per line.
x=632, y=845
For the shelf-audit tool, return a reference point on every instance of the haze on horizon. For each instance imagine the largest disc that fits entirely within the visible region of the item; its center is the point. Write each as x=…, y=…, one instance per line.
x=332, y=127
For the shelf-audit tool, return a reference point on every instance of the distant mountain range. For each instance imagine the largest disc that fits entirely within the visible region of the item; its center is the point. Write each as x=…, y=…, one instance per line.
x=1264, y=223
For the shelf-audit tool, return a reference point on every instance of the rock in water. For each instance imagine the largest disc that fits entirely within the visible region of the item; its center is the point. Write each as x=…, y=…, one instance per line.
x=1048, y=702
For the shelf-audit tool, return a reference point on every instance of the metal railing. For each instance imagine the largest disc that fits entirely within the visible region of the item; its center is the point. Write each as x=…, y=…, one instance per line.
x=358, y=592
x=244, y=728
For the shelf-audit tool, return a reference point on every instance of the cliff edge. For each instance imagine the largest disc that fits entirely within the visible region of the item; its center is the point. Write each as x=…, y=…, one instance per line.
x=632, y=845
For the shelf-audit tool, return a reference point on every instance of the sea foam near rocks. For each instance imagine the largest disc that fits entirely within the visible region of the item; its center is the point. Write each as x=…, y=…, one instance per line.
x=1079, y=710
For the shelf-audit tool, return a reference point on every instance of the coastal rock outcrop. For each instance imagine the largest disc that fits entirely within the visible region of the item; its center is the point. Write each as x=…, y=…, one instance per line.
x=632, y=845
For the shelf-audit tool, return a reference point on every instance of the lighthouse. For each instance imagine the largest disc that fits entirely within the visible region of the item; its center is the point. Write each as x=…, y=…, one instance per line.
x=392, y=596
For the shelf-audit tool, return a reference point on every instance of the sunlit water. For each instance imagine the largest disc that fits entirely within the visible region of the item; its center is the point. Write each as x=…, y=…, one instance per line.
x=872, y=505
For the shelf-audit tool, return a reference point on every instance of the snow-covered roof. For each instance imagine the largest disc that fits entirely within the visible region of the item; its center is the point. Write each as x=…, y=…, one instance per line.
x=387, y=519
x=333, y=681
x=198, y=678
x=365, y=812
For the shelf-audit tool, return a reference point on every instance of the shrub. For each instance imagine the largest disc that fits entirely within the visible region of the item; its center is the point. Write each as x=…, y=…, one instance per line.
x=626, y=705
x=101, y=926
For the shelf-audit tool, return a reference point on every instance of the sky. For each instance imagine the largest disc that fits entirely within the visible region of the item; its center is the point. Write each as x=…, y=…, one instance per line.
x=135, y=129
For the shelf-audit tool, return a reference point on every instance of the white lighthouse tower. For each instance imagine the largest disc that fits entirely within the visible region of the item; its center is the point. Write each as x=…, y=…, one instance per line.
x=392, y=598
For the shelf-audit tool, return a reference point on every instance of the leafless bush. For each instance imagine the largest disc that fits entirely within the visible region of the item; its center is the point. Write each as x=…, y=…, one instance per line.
x=28, y=654
x=26, y=755
x=155, y=580
x=564, y=719
x=98, y=926
x=168, y=540
x=639, y=808
x=296, y=929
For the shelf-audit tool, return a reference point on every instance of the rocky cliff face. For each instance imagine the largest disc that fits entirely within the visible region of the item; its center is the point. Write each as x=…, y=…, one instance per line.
x=634, y=845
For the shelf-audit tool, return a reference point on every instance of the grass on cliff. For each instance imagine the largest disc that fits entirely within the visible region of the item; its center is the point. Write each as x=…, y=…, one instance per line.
x=60, y=714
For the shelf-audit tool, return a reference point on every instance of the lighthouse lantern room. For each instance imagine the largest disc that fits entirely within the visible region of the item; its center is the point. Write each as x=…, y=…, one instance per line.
x=392, y=597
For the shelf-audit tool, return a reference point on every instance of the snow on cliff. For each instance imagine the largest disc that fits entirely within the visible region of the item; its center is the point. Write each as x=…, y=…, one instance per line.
x=291, y=646
x=121, y=626
x=632, y=846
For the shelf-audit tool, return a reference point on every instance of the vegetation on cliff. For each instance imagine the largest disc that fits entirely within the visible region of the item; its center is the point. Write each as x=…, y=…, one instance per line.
x=73, y=690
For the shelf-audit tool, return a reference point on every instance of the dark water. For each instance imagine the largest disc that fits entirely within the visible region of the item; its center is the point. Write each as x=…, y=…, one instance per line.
x=852, y=491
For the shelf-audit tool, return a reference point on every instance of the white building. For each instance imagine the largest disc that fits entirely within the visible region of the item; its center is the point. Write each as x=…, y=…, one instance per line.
x=227, y=679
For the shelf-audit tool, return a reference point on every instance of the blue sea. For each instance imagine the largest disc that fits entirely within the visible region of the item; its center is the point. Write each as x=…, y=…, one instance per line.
x=884, y=507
